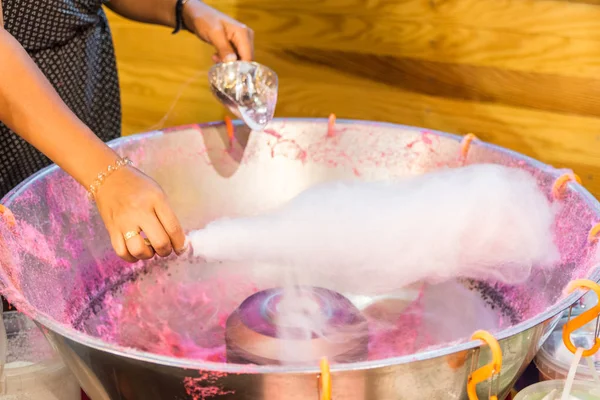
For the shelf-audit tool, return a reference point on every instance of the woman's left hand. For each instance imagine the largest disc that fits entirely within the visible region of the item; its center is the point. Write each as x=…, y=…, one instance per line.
x=232, y=39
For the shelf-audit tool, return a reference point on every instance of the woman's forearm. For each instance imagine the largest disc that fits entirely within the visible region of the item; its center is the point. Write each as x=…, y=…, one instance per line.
x=160, y=12
x=30, y=106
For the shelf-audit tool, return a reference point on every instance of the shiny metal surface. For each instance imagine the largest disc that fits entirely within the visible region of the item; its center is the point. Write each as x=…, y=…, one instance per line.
x=247, y=89
x=257, y=330
x=206, y=177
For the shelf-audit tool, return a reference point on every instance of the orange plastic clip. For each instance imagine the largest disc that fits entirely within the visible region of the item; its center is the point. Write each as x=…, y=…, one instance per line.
x=324, y=381
x=465, y=145
x=594, y=233
x=489, y=371
x=230, y=129
x=561, y=181
x=8, y=216
x=583, y=319
x=331, y=125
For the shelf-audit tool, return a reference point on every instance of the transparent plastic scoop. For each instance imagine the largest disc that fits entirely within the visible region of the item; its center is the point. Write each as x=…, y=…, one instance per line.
x=247, y=89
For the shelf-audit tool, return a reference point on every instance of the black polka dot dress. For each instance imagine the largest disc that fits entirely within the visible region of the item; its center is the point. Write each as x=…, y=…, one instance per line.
x=71, y=43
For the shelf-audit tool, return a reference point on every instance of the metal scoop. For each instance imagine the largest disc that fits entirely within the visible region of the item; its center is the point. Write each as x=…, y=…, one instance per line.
x=247, y=89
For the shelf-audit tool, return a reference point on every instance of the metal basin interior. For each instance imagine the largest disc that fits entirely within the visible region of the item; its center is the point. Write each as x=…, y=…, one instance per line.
x=57, y=263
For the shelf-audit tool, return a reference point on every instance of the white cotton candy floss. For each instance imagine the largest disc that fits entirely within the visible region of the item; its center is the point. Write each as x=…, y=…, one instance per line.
x=483, y=221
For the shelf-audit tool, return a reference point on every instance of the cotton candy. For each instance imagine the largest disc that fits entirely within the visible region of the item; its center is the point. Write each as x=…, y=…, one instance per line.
x=485, y=221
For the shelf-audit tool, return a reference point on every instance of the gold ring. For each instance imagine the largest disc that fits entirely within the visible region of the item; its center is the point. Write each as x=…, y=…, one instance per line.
x=130, y=234
x=147, y=242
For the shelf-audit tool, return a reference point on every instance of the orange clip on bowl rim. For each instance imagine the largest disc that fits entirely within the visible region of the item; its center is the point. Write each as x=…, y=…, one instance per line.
x=584, y=318
x=325, y=381
x=331, y=125
x=230, y=128
x=465, y=145
x=561, y=181
x=594, y=233
x=487, y=371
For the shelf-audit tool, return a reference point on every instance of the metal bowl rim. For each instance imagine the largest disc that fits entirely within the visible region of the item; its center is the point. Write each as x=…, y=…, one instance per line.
x=100, y=345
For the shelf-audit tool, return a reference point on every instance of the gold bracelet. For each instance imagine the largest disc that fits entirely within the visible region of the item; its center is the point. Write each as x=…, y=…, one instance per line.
x=93, y=189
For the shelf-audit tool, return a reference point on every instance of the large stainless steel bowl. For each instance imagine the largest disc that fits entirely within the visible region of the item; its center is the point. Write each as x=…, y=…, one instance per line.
x=57, y=261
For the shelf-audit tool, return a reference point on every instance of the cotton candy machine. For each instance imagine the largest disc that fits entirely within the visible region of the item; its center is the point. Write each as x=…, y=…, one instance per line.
x=184, y=329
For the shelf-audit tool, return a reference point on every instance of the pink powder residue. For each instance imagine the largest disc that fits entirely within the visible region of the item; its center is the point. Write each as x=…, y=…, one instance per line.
x=161, y=314
x=204, y=386
x=288, y=148
x=38, y=244
x=272, y=133
x=428, y=139
x=404, y=338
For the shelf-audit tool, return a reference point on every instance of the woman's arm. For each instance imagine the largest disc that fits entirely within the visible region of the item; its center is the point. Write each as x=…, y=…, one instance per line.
x=127, y=200
x=231, y=39
x=159, y=12
x=30, y=106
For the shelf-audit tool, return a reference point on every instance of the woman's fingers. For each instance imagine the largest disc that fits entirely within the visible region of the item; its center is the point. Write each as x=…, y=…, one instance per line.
x=136, y=245
x=118, y=242
x=159, y=233
x=171, y=225
x=232, y=39
x=157, y=236
x=223, y=46
x=233, y=42
x=242, y=38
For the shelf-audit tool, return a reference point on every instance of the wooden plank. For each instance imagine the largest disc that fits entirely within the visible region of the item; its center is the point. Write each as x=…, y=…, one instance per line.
x=564, y=18
x=561, y=140
x=146, y=44
x=355, y=29
x=154, y=97
x=464, y=82
x=593, y=2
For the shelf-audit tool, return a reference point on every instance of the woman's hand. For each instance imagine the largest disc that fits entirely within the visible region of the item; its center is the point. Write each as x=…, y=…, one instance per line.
x=131, y=203
x=128, y=200
x=232, y=39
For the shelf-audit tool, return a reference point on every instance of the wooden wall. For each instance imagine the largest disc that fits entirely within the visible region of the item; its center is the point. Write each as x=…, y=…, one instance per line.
x=524, y=74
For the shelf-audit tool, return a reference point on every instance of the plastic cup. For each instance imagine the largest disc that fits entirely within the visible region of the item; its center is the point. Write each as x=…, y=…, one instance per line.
x=582, y=390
